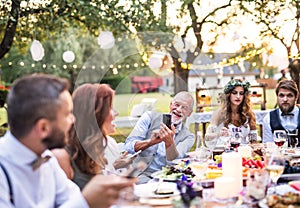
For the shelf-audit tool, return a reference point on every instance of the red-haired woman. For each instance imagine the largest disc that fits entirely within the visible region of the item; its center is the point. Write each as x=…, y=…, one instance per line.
x=84, y=155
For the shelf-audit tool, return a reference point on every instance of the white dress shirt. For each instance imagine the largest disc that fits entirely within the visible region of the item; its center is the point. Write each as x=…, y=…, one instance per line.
x=112, y=154
x=45, y=187
x=288, y=122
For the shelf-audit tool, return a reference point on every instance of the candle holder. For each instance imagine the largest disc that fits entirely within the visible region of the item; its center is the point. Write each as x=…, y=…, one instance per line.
x=224, y=190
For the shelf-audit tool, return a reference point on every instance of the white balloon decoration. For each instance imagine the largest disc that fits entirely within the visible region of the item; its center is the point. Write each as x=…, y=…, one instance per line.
x=106, y=40
x=156, y=60
x=37, y=50
x=68, y=56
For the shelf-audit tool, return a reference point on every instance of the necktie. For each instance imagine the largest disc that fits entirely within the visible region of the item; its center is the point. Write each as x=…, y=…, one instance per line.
x=39, y=161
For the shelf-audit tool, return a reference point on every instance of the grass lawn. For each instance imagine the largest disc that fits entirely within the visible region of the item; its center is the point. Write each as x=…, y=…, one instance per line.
x=123, y=104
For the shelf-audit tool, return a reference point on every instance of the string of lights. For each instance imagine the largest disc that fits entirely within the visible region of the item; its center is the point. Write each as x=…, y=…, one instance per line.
x=220, y=64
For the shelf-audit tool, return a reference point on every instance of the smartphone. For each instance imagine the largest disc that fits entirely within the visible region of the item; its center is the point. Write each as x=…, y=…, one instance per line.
x=167, y=119
x=135, y=154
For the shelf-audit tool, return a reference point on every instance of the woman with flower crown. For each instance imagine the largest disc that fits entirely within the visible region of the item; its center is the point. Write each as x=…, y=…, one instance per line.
x=235, y=113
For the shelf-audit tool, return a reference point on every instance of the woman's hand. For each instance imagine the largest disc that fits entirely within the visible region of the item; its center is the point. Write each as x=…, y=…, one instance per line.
x=123, y=161
x=224, y=132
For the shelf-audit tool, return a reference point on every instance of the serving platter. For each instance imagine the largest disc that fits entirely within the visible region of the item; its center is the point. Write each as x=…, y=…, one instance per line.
x=147, y=190
x=292, y=152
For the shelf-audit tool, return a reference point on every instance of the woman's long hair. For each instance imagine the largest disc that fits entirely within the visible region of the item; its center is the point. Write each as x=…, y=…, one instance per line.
x=247, y=116
x=87, y=139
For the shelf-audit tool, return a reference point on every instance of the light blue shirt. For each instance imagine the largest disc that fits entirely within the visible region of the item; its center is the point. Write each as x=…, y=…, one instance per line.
x=159, y=161
x=288, y=122
x=47, y=186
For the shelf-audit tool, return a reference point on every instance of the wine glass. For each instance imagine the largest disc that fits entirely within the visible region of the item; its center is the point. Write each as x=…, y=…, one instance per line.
x=274, y=164
x=279, y=137
x=236, y=138
x=210, y=143
x=199, y=141
x=292, y=137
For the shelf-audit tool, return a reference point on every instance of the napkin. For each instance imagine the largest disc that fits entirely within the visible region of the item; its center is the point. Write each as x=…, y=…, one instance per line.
x=295, y=185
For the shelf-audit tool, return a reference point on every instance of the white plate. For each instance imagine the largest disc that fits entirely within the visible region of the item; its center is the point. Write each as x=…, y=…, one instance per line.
x=156, y=202
x=147, y=190
x=295, y=154
x=263, y=203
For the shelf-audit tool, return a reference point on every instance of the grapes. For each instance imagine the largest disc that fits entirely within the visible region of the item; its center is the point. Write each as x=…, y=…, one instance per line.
x=187, y=171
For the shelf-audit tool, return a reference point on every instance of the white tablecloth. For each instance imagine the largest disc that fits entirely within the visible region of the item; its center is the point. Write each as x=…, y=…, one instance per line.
x=205, y=117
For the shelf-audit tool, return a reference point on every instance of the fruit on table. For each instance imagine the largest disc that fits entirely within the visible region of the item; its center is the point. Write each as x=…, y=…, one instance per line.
x=251, y=163
x=187, y=171
x=213, y=173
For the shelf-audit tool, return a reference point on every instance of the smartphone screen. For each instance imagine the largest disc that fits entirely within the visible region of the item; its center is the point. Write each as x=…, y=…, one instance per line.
x=167, y=120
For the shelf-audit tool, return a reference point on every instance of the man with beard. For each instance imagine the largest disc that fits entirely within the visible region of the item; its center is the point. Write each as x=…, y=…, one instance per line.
x=160, y=144
x=40, y=114
x=286, y=117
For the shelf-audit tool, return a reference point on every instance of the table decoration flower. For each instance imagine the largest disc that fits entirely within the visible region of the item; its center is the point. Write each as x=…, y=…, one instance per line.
x=187, y=192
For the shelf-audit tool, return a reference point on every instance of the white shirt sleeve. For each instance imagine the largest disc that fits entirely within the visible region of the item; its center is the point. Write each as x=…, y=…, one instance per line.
x=267, y=131
x=68, y=193
x=138, y=133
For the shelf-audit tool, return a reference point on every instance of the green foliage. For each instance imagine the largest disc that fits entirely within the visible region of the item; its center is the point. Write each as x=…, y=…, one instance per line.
x=116, y=81
x=3, y=95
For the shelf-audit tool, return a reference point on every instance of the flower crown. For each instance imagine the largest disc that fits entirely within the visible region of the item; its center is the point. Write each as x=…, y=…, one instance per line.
x=234, y=83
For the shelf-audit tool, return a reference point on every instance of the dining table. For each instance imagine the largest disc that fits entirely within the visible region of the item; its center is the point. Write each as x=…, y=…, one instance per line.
x=206, y=197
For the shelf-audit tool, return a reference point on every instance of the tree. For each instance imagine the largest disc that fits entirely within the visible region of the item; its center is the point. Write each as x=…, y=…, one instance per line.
x=183, y=54
x=23, y=21
x=280, y=20
x=50, y=21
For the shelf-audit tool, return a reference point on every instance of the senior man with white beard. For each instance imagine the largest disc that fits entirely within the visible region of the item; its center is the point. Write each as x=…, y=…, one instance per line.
x=160, y=144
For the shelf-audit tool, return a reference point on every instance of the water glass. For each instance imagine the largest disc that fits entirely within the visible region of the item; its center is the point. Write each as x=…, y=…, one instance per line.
x=210, y=144
x=199, y=140
x=274, y=164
